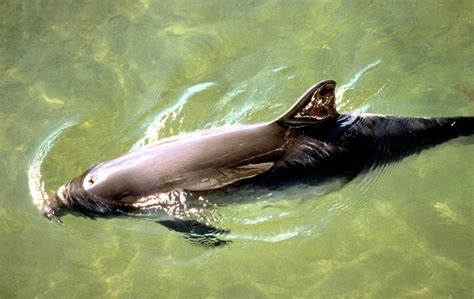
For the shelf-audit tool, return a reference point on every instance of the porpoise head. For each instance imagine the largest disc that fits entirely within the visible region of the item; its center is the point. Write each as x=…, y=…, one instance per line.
x=73, y=198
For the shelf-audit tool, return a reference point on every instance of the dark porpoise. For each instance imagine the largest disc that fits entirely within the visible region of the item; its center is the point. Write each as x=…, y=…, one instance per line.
x=311, y=144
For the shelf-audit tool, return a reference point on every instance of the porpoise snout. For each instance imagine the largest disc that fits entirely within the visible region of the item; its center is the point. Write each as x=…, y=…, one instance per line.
x=52, y=208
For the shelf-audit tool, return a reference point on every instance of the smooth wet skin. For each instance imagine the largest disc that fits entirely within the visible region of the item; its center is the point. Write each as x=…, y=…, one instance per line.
x=187, y=161
x=311, y=144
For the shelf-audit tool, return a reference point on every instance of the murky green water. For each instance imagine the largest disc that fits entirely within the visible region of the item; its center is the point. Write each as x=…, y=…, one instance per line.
x=115, y=68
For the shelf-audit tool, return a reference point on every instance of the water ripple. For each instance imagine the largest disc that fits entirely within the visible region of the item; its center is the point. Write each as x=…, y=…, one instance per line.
x=350, y=85
x=273, y=238
x=35, y=181
x=160, y=119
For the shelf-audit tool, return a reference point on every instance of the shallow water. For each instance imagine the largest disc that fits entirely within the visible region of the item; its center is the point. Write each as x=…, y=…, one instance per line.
x=84, y=82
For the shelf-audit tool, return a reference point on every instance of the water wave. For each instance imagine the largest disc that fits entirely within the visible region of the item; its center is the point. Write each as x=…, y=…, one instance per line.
x=35, y=181
x=274, y=238
x=350, y=85
x=160, y=119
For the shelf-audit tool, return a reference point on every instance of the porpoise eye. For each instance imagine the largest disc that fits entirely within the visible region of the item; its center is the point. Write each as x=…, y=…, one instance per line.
x=91, y=180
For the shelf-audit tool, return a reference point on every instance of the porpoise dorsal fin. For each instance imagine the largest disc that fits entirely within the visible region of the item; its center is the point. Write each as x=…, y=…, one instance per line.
x=318, y=103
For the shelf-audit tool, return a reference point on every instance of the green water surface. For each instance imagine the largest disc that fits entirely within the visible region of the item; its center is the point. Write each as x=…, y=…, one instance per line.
x=112, y=69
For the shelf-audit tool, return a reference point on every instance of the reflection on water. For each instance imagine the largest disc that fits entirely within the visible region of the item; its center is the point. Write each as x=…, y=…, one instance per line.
x=136, y=72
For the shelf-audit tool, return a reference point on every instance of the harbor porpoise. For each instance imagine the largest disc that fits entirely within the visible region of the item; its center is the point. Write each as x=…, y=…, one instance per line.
x=311, y=144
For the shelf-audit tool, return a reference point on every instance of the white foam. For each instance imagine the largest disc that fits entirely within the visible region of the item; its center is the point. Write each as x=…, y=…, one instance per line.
x=35, y=181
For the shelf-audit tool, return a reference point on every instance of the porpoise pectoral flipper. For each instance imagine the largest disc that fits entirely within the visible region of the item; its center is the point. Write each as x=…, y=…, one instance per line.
x=196, y=232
